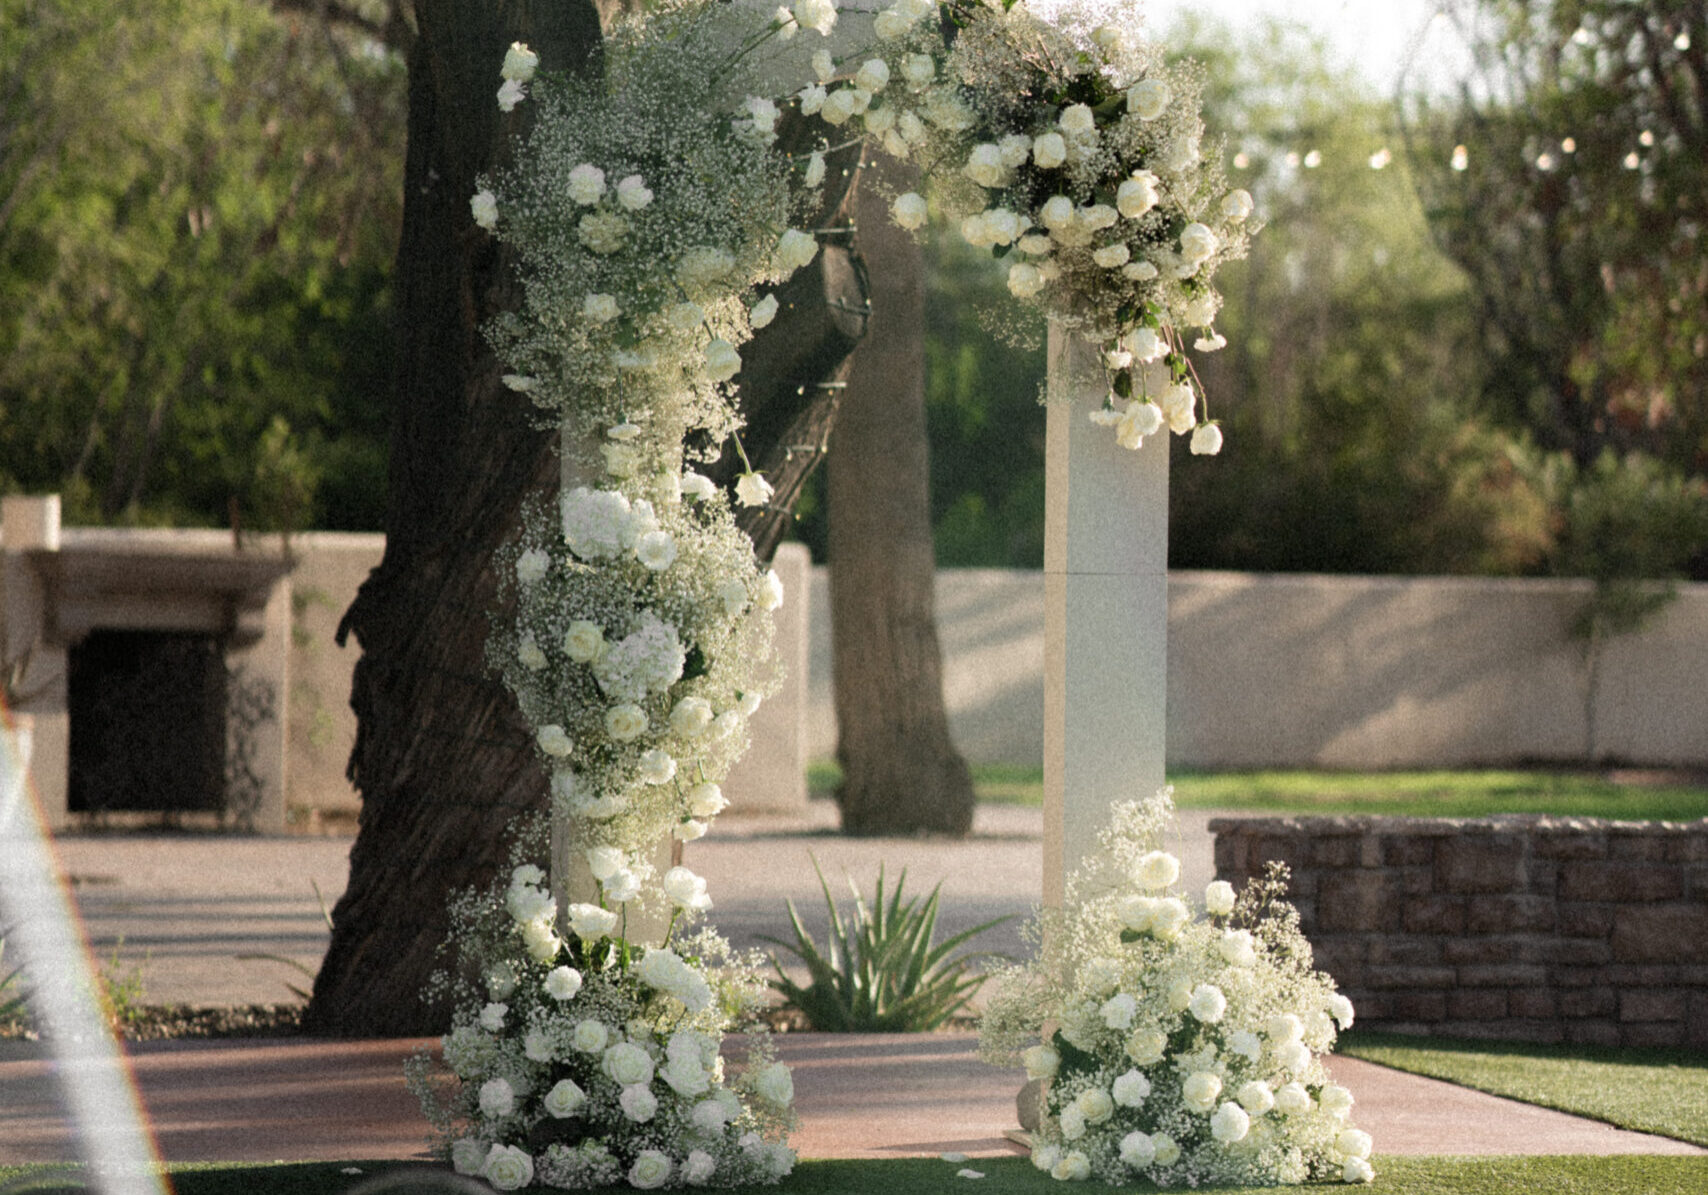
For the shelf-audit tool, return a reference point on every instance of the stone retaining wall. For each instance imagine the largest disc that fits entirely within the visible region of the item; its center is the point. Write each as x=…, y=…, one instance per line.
x=1518, y=928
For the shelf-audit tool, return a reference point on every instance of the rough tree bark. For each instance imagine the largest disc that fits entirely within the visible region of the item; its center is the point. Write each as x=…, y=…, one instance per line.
x=442, y=759
x=901, y=773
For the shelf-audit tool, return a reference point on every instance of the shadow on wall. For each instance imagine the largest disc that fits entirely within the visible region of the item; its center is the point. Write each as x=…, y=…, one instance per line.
x=1332, y=672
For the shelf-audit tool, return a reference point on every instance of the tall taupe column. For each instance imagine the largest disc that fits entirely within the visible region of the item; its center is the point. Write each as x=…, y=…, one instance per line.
x=1105, y=613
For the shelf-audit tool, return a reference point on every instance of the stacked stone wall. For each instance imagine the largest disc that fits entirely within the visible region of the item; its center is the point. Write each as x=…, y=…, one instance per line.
x=1531, y=929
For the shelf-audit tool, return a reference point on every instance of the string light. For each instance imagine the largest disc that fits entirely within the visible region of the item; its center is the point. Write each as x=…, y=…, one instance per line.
x=1545, y=161
x=1380, y=158
x=1569, y=145
x=1632, y=161
x=1645, y=138
x=1682, y=41
x=1461, y=158
x=1313, y=160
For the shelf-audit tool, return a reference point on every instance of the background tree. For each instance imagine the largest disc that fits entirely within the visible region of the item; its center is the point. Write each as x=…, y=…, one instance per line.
x=198, y=200
x=442, y=758
x=901, y=773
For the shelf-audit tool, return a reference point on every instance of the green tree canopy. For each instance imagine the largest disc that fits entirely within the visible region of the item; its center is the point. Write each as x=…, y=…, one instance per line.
x=198, y=210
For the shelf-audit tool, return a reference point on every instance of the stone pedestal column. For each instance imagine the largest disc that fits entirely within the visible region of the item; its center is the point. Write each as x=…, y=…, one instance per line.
x=1106, y=613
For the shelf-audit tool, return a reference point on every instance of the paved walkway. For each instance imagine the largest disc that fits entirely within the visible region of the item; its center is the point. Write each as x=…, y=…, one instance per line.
x=182, y=908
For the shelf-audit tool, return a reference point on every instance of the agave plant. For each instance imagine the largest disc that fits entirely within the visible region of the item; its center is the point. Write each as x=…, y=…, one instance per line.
x=881, y=972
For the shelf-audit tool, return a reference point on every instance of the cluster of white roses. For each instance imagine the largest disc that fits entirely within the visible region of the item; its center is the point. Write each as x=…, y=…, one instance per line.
x=1176, y=1047
x=1058, y=139
x=586, y=1061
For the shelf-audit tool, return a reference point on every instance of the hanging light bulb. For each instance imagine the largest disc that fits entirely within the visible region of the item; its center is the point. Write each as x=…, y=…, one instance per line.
x=1632, y=161
x=1682, y=41
x=1461, y=159
x=1380, y=158
x=1545, y=162
x=1569, y=145
x=1645, y=138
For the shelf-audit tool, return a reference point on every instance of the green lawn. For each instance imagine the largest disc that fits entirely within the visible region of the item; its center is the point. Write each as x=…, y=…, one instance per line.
x=1631, y=1175
x=1654, y=1091
x=1410, y=794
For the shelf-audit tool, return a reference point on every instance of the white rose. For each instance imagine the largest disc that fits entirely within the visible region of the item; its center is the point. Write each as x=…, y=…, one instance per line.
x=1167, y=1149
x=698, y=1168
x=508, y=1168
x=691, y=715
x=770, y=595
x=984, y=166
x=1049, y=151
x=910, y=210
x=748, y=703
x=1040, y=1062
x=1335, y=1100
x=823, y=66
x=1148, y=98
x=775, y=1085
x=1034, y=243
x=633, y=193
x=919, y=69
x=698, y=486
x=1208, y=1004
x=1200, y=1090
x=837, y=108
x=1111, y=257
x=873, y=75
x=710, y=1116
x=1139, y=420
x=623, y=887
x=910, y=128
x=1256, y=1098
x=638, y=1103
x=889, y=25
x=1137, y=195
x=686, y=890
x=1137, y=1150
x=492, y=1016
x=626, y=1064
x=590, y=922
x=1139, y=271
x=1207, y=440
x=1246, y=1044
x=816, y=14
x=540, y=940
x=565, y=1099
x=1156, y=869
x=1357, y=1170
x=1095, y=1105
x=706, y=800
x=519, y=63
x=1001, y=225
x=1237, y=206
x=537, y=1045
x=1285, y=1027
x=511, y=94
x=600, y=308
x=553, y=741
x=1146, y=1046
x=603, y=862
x=1237, y=947
x=591, y=1037
x=1340, y=1008
x=1118, y=1011
x=468, y=1155
x=656, y=550
x=722, y=361
x=763, y=312
x=532, y=565
x=1230, y=1123
x=563, y=983
x=1077, y=120
x=752, y=490
x=1131, y=1089
x=500, y=980
x=1074, y=1167
x=1354, y=1143
x=1219, y=898
x=484, y=207
x=1293, y=1056
x=651, y=1169
x=497, y=1098
x=688, y=831
x=1180, y=405
x=1292, y=1099
x=1072, y=1123
x=794, y=250
x=519, y=383
x=1024, y=280
x=586, y=184
x=625, y=722
x=1058, y=212
x=1044, y=1157
x=1098, y=216
x=1197, y=243
x=529, y=655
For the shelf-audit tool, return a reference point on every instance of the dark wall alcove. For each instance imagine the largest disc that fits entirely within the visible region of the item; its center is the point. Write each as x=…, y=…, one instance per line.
x=148, y=722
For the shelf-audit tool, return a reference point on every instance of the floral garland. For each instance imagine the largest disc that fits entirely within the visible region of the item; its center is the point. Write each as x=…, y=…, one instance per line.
x=1177, y=1048
x=652, y=212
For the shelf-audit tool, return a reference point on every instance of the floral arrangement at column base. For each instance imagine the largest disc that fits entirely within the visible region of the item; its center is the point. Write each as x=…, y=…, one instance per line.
x=587, y=1060
x=1178, y=1044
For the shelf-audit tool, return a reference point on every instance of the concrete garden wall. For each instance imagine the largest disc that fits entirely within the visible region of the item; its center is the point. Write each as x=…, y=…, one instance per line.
x=1517, y=928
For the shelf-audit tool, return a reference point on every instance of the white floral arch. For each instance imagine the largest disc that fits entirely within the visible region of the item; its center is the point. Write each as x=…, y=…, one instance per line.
x=651, y=211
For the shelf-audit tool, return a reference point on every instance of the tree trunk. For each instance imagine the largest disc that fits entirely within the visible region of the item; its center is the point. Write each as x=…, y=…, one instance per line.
x=900, y=772
x=442, y=759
